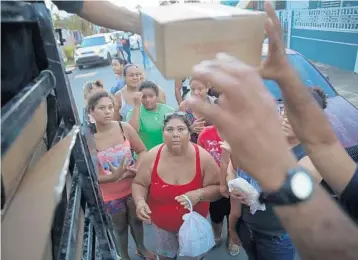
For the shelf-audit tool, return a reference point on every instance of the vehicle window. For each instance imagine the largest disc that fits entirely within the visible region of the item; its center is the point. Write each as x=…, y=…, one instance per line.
x=308, y=74
x=95, y=41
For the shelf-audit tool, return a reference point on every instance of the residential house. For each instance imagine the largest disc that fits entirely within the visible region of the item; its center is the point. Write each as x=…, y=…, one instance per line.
x=323, y=31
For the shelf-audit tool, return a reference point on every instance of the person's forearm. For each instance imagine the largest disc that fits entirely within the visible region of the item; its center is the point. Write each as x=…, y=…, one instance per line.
x=334, y=165
x=209, y=193
x=109, y=15
x=319, y=229
x=139, y=192
x=338, y=170
x=161, y=98
x=231, y=173
x=223, y=175
x=177, y=92
x=105, y=179
x=134, y=120
x=140, y=157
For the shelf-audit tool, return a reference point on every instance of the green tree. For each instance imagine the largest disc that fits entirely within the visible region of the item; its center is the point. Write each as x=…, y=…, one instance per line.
x=74, y=23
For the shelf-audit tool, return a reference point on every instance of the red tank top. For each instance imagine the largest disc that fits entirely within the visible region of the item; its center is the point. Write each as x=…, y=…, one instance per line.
x=167, y=213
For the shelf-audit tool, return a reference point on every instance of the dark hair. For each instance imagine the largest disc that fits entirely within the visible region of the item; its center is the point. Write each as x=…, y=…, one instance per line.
x=121, y=61
x=149, y=85
x=126, y=67
x=320, y=97
x=178, y=114
x=93, y=99
x=88, y=86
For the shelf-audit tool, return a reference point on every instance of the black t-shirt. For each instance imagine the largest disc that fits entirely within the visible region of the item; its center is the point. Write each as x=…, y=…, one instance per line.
x=74, y=7
x=349, y=197
x=267, y=222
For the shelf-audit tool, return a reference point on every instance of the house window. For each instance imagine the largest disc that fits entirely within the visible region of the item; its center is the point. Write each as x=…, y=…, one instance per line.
x=279, y=5
x=330, y=3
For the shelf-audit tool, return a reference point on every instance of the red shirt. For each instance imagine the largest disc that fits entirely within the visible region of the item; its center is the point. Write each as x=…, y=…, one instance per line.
x=167, y=213
x=209, y=139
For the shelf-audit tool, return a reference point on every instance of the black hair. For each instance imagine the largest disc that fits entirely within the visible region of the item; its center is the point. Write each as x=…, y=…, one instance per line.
x=126, y=67
x=320, y=97
x=149, y=85
x=93, y=99
x=89, y=86
x=121, y=61
x=180, y=115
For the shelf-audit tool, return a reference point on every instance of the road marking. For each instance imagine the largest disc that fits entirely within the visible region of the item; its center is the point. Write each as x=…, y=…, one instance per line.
x=86, y=75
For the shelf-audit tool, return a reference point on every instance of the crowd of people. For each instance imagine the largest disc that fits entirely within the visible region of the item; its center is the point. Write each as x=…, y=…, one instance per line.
x=152, y=158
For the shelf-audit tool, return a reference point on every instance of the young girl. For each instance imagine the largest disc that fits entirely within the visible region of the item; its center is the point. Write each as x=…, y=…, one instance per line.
x=88, y=89
x=199, y=90
x=211, y=141
x=114, y=143
x=117, y=67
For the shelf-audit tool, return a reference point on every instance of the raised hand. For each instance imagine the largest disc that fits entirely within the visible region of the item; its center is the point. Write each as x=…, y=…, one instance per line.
x=248, y=120
x=198, y=125
x=119, y=173
x=137, y=98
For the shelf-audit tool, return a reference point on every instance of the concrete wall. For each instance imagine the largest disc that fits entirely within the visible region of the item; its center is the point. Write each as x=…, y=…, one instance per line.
x=338, y=49
x=326, y=35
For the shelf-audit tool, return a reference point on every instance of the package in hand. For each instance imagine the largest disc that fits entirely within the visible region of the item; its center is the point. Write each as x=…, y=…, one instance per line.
x=196, y=235
x=241, y=185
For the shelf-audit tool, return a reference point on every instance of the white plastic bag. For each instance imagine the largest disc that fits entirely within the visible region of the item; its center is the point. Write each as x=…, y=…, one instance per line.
x=196, y=235
x=242, y=185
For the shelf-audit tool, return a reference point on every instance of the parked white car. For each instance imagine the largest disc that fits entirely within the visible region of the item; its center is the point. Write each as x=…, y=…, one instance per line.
x=95, y=49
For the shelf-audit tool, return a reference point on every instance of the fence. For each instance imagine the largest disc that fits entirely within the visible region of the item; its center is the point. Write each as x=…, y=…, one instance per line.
x=326, y=35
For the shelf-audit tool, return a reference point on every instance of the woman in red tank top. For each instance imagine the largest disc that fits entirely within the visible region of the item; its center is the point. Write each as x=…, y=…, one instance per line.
x=169, y=171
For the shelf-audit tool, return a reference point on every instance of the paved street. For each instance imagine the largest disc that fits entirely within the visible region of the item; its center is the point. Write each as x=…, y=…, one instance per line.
x=104, y=73
x=345, y=83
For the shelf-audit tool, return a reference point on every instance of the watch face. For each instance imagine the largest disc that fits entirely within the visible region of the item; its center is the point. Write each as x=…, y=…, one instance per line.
x=302, y=185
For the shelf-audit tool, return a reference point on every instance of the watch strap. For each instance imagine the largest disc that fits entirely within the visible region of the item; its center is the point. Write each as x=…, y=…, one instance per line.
x=285, y=195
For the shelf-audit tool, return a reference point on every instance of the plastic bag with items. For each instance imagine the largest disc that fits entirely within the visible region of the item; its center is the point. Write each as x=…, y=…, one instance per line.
x=196, y=236
x=241, y=185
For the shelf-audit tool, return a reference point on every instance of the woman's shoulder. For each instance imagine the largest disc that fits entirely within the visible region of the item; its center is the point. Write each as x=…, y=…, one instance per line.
x=183, y=105
x=121, y=91
x=204, y=154
x=152, y=153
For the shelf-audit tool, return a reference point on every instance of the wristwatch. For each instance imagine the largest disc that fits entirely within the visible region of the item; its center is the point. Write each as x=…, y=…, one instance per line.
x=298, y=187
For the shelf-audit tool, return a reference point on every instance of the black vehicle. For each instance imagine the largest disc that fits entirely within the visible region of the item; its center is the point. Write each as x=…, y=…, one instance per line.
x=50, y=202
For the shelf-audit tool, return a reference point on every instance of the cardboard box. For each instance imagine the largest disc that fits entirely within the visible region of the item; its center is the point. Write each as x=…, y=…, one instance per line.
x=26, y=226
x=177, y=37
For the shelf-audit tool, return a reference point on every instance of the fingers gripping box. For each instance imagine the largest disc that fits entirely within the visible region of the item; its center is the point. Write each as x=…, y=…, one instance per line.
x=177, y=37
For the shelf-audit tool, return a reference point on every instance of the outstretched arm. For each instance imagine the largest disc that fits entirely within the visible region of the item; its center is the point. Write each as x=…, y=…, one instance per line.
x=103, y=13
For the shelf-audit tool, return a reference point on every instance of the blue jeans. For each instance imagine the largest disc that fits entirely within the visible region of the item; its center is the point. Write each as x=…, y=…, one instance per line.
x=260, y=246
x=129, y=54
x=145, y=59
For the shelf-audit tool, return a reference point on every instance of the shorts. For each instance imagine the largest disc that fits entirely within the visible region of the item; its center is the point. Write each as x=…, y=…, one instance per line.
x=116, y=206
x=167, y=244
x=219, y=209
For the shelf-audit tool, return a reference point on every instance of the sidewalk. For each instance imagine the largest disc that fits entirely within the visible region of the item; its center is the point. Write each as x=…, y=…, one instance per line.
x=345, y=82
